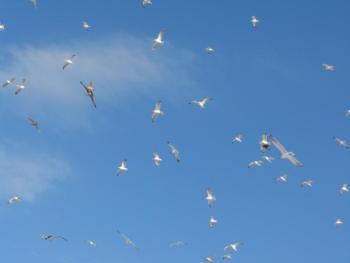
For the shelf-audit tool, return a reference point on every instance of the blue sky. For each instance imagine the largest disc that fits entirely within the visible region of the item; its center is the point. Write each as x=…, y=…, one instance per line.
x=265, y=80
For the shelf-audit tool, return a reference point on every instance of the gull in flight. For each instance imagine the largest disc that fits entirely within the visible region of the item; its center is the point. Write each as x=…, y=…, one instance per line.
x=201, y=103
x=68, y=61
x=347, y=114
x=341, y=143
x=233, y=246
x=2, y=27
x=8, y=82
x=157, y=111
x=208, y=259
x=146, y=3
x=52, y=237
x=254, y=21
x=174, y=152
x=21, y=86
x=122, y=168
x=344, y=189
x=210, y=50
x=338, y=222
x=328, y=67
x=238, y=138
x=178, y=243
x=268, y=159
x=212, y=221
x=90, y=91
x=227, y=256
x=290, y=156
x=264, y=143
x=157, y=159
x=34, y=3
x=86, y=26
x=34, y=123
x=255, y=164
x=91, y=243
x=159, y=41
x=14, y=200
x=127, y=240
x=282, y=178
x=210, y=197
x=307, y=183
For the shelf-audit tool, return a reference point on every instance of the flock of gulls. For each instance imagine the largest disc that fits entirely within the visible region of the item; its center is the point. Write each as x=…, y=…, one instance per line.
x=266, y=142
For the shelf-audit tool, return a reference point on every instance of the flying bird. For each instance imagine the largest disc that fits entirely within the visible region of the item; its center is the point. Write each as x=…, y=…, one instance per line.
x=146, y=3
x=341, y=143
x=174, y=151
x=227, y=256
x=238, y=139
x=307, y=183
x=210, y=50
x=347, y=114
x=208, y=259
x=282, y=178
x=52, y=237
x=21, y=86
x=86, y=26
x=157, y=111
x=201, y=103
x=8, y=82
x=34, y=3
x=256, y=163
x=157, y=160
x=122, y=168
x=328, y=67
x=344, y=189
x=264, y=143
x=290, y=156
x=178, y=243
x=254, y=21
x=338, y=222
x=268, y=159
x=233, y=246
x=127, y=240
x=91, y=243
x=14, y=200
x=2, y=27
x=212, y=221
x=210, y=197
x=69, y=61
x=159, y=41
x=90, y=91
x=34, y=123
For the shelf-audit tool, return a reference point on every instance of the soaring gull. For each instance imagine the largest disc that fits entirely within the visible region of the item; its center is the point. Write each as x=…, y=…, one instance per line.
x=290, y=156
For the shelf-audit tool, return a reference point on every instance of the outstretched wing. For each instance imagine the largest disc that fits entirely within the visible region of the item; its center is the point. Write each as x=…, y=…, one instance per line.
x=278, y=145
x=294, y=161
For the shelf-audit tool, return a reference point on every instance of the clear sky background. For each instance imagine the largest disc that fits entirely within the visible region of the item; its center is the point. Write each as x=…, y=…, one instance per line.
x=268, y=79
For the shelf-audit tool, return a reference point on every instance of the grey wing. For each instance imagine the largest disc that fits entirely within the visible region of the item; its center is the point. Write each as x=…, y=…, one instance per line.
x=65, y=65
x=93, y=100
x=154, y=45
x=278, y=145
x=294, y=161
x=83, y=85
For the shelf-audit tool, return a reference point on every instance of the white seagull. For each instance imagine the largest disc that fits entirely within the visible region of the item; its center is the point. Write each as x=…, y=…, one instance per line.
x=21, y=86
x=210, y=197
x=212, y=221
x=282, y=178
x=201, y=103
x=90, y=91
x=338, y=222
x=341, y=143
x=210, y=50
x=264, y=143
x=146, y=3
x=157, y=159
x=254, y=21
x=157, y=111
x=86, y=26
x=307, y=183
x=174, y=151
x=256, y=163
x=2, y=27
x=159, y=41
x=344, y=189
x=233, y=246
x=8, y=82
x=290, y=156
x=91, y=243
x=268, y=159
x=127, y=240
x=238, y=138
x=208, y=259
x=227, y=256
x=69, y=61
x=122, y=168
x=178, y=243
x=14, y=200
x=328, y=67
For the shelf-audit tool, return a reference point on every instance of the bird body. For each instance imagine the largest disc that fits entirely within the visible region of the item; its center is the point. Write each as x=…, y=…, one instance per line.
x=344, y=189
x=157, y=160
x=178, y=243
x=8, y=82
x=269, y=159
x=158, y=41
x=238, y=139
x=256, y=163
x=91, y=243
x=208, y=259
x=146, y=3
x=328, y=67
x=264, y=143
x=338, y=222
x=342, y=143
x=86, y=26
x=127, y=240
x=210, y=197
x=233, y=246
x=254, y=21
x=282, y=178
x=175, y=152
x=122, y=168
x=212, y=221
x=2, y=27
x=14, y=200
x=287, y=155
x=307, y=183
x=34, y=123
x=68, y=61
x=20, y=87
x=90, y=91
x=201, y=103
x=210, y=50
x=157, y=111
x=52, y=237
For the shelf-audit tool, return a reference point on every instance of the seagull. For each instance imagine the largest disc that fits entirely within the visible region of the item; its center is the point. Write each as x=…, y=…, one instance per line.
x=157, y=111
x=347, y=114
x=344, y=189
x=254, y=21
x=21, y=86
x=14, y=200
x=201, y=103
x=328, y=67
x=91, y=243
x=69, y=61
x=210, y=197
x=212, y=221
x=264, y=143
x=233, y=246
x=227, y=257
x=238, y=138
x=338, y=222
x=34, y=123
x=174, y=152
x=157, y=159
x=86, y=26
x=52, y=237
x=127, y=240
x=146, y=3
x=282, y=178
x=307, y=183
x=122, y=168
x=178, y=243
x=208, y=259
x=341, y=143
x=290, y=156
x=210, y=50
x=34, y=3
x=8, y=82
x=90, y=91
x=255, y=163
x=269, y=159
x=159, y=41
x=2, y=27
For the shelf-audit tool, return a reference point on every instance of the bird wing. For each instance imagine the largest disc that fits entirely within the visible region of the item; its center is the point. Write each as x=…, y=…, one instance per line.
x=65, y=65
x=84, y=85
x=294, y=161
x=160, y=36
x=278, y=145
x=92, y=97
x=154, y=45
